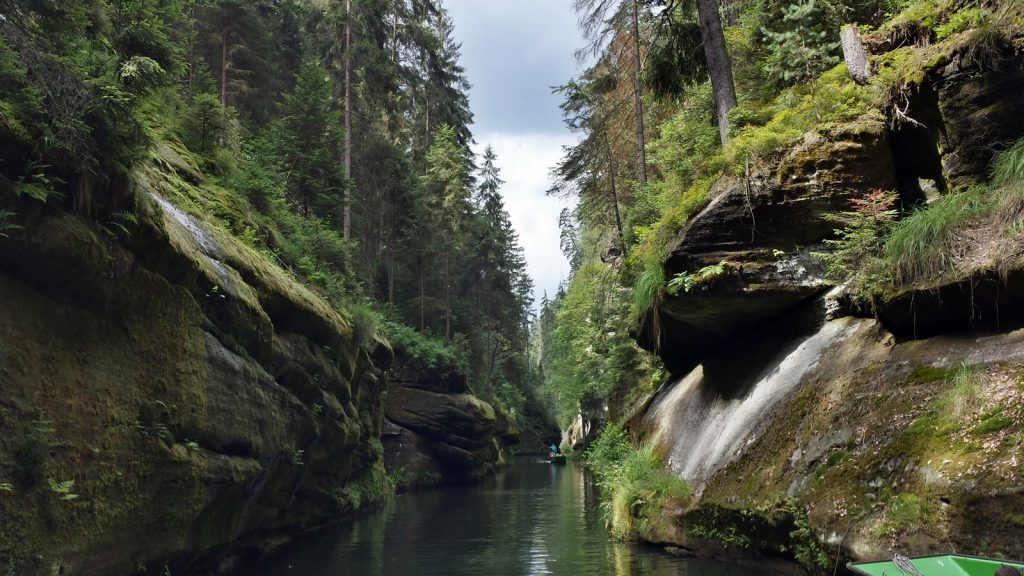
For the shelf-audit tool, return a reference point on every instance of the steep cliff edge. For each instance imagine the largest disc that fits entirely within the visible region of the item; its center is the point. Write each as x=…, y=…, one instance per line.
x=169, y=395
x=896, y=428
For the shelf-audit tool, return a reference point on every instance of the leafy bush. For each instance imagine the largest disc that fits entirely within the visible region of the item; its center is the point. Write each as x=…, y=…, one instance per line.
x=434, y=352
x=859, y=244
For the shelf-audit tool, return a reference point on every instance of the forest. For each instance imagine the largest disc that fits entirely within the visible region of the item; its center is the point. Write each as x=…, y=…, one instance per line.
x=257, y=275
x=338, y=132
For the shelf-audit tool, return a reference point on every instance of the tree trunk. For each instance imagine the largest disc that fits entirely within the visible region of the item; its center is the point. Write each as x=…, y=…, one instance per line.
x=615, y=193
x=193, y=33
x=391, y=275
x=423, y=293
x=855, y=55
x=447, y=299
x=641, y=152
x=224, y=57
x=346, y=218
x=718, y=62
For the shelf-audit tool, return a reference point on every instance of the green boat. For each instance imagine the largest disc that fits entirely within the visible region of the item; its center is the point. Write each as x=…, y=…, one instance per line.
x=945, y=565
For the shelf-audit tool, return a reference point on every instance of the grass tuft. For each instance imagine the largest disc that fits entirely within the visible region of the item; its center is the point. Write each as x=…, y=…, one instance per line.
x=924, y=245
x=636, y=481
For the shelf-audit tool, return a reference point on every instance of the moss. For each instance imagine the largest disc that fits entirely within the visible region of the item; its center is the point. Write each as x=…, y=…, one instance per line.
x=993, y=421
x=827, y=101
x=906, y=513
x=926, y=375
x=778, y=527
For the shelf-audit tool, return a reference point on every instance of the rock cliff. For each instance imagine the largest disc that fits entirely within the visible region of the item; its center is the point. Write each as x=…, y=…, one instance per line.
x=898, y=431
x=436, y=430
x=170, y=397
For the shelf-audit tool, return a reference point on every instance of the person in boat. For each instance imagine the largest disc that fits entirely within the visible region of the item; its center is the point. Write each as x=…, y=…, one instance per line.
x=552, y=450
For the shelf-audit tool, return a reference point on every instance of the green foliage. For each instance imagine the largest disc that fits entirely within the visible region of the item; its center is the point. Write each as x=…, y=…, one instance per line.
x=5, y=223
x=647, y=291
x=590, y=350
x=635, y=481
x=688, y=140
x=856, y=250
x=922, y=246
x=686, y=281
x=206, y=124
x=63, y=489
x=970, y=17
x=906, y=513
x=1008, y=166
x=993, y=421
x=432, y=351
x=961, y=396
x=154, y=420
x=821, y=103
x=801, y=49
x=309, y=136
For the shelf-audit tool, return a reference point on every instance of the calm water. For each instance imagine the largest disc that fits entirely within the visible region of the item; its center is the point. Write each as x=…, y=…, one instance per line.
x=533, y=518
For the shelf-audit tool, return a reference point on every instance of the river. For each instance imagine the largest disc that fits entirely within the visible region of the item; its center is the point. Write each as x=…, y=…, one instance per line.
x=532, y=518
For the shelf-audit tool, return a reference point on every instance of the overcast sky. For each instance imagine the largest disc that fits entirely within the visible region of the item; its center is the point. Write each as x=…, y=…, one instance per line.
x=514, y=51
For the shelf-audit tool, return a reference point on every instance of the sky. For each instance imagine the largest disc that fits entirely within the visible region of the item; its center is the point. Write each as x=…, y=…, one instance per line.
x=514, y=51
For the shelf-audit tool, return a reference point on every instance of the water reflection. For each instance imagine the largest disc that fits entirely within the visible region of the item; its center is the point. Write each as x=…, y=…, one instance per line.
x=532, y=519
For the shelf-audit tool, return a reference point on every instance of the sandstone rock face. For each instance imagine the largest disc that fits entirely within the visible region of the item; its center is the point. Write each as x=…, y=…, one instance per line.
x=980, y=107
x=436, y=430
x=867, y=429
x=764, y=229
x=201, y=399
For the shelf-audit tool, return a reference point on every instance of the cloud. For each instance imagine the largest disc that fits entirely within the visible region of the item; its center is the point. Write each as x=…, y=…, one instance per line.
x=514, y=51
x=525, y=161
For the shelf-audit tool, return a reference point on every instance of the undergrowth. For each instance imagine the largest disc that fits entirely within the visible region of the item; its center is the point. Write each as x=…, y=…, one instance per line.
x=636, y=484
x=881, y=257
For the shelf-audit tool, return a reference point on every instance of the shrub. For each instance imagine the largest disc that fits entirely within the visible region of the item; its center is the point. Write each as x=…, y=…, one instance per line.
x=856, y=250
x=635, y=480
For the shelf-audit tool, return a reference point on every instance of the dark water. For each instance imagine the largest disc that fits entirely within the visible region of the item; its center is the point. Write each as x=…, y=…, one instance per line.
x=533, y=518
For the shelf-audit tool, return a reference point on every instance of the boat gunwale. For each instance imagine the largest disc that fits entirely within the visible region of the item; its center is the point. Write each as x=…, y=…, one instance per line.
x=1011, y=563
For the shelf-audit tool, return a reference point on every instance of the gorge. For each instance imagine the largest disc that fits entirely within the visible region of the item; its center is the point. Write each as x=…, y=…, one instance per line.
x=263, y=304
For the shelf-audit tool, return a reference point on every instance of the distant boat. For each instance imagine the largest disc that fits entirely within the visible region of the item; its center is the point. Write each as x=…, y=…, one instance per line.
x=558, y=458
x=945, y=565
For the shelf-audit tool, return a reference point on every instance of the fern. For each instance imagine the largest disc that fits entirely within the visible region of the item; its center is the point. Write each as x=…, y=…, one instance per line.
x=5, y=224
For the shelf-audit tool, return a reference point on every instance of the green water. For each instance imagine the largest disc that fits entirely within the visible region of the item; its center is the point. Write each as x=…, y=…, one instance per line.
x=532, y=518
